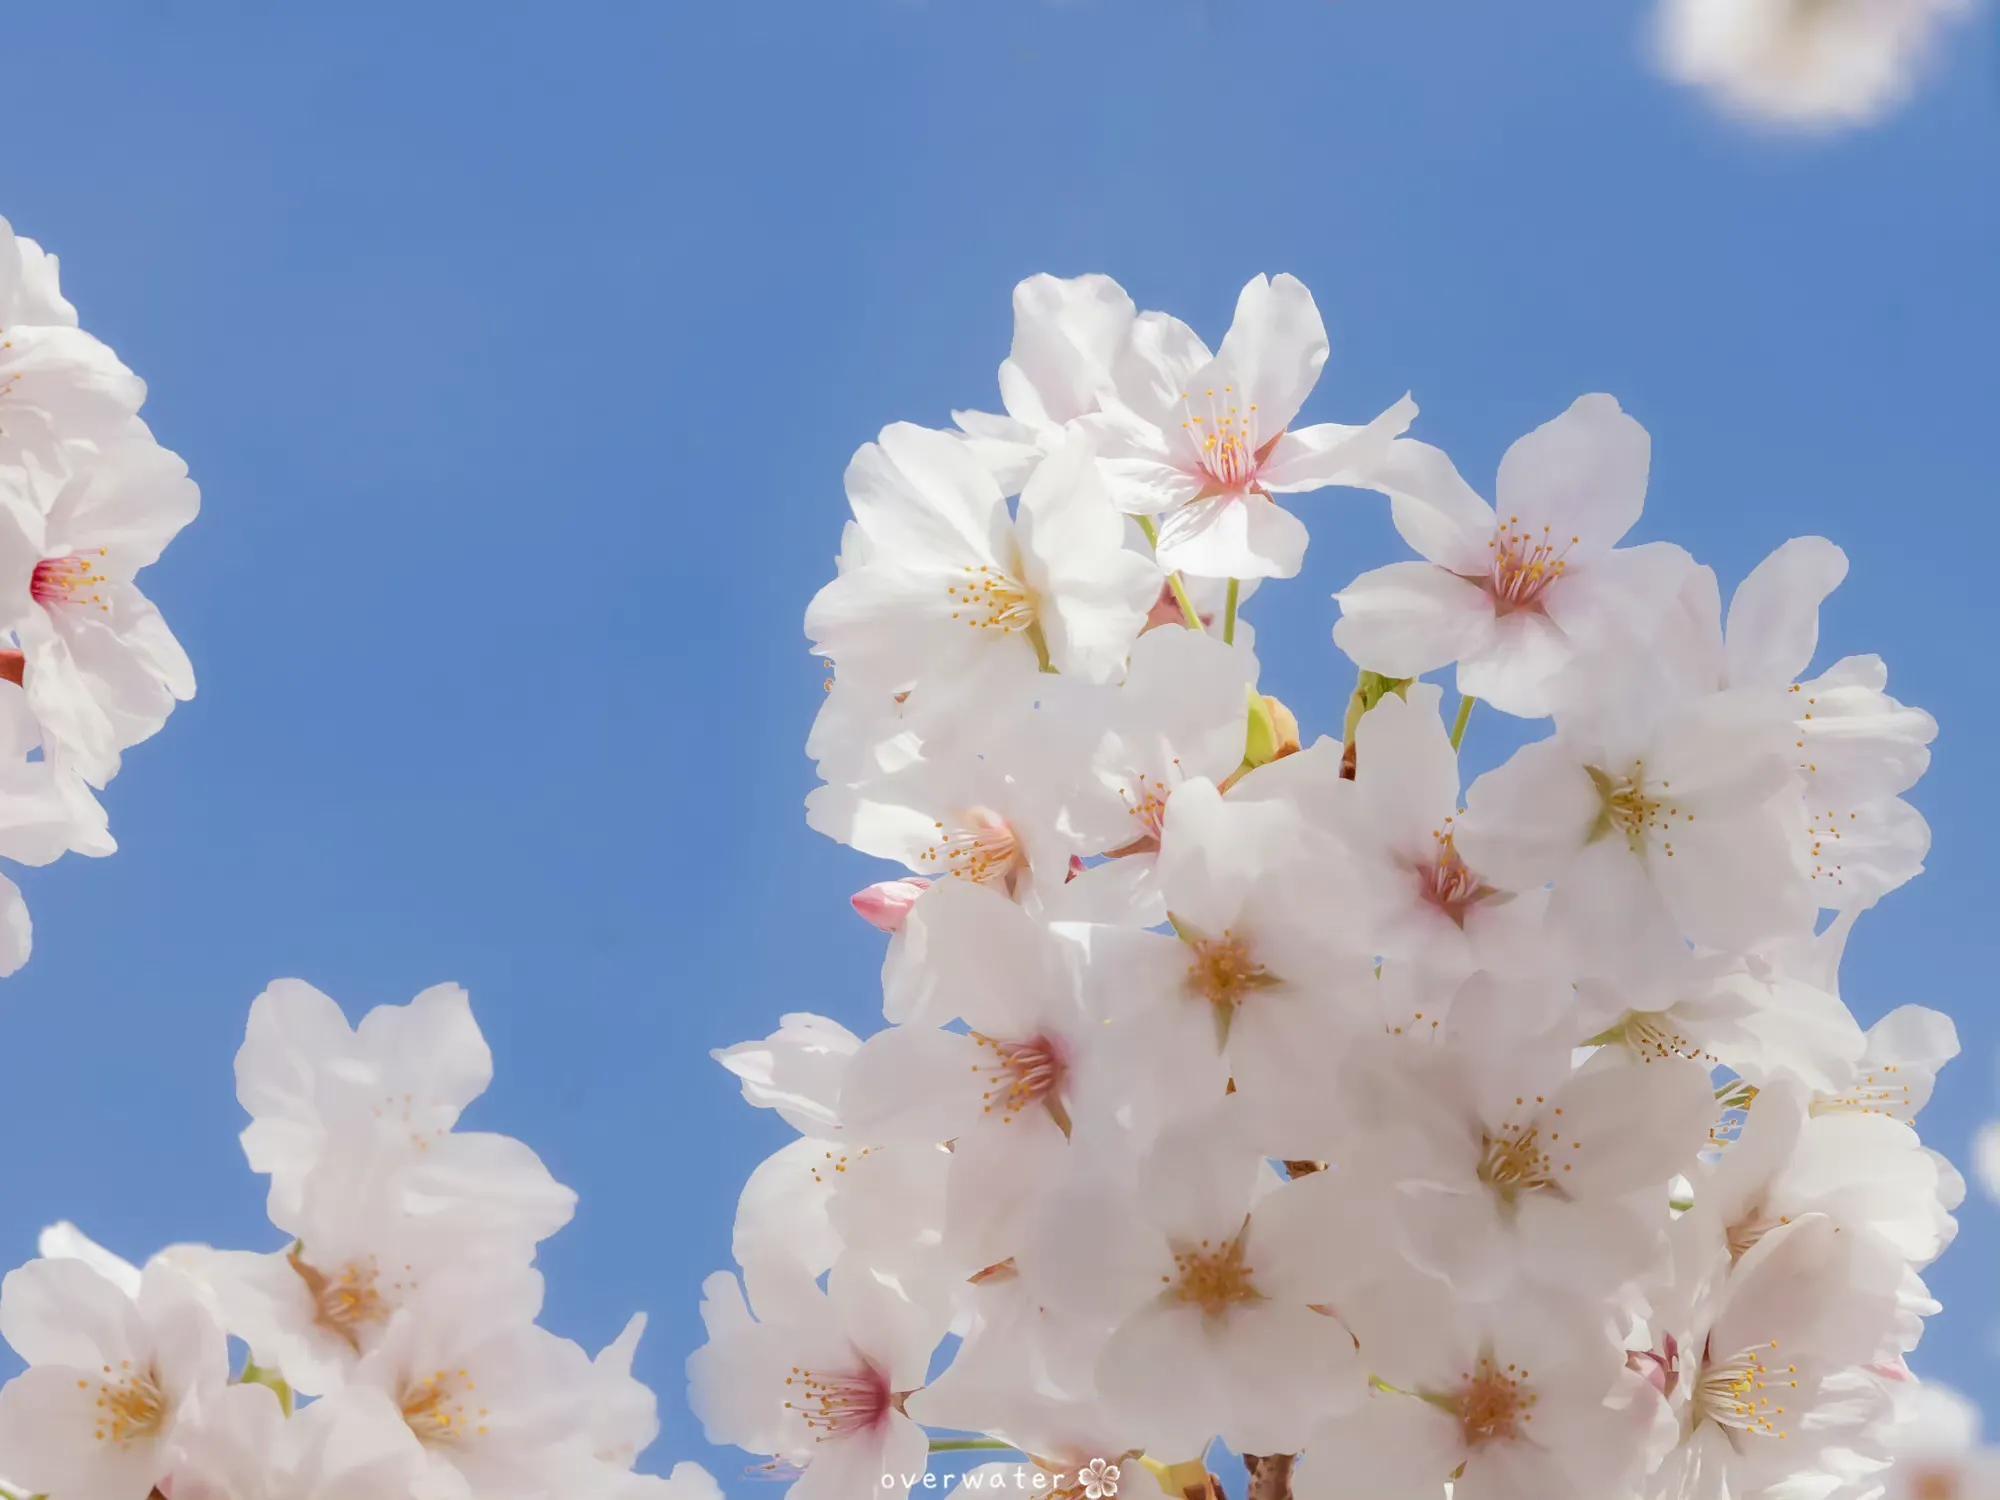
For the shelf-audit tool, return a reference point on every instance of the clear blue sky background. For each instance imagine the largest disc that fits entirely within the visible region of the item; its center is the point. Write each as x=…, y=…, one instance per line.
x=518, y=349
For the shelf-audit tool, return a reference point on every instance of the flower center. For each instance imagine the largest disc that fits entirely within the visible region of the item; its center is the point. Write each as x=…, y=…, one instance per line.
x=1145, y=799
x=1523, y=566
x=1213, y=1277
x=839, y=1405
x=1225, y=441
x=68, y=580
x=1020, y=1076
x=346, y=1303
x=987, y=599
x=1731, y=1393
x=1517, y=1159
x=1224, y=971
x=1631, y=811
x=1880, y=1091
x=1514, y=1162
x=1493, y=1403
x=130, y=1406
x=982, y=849
x=1446, y=883
x=1653, y=1035
x=439, y=1409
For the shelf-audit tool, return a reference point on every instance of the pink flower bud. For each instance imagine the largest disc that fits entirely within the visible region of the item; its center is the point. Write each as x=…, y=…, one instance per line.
x=1661, y=1369
x=887, y=903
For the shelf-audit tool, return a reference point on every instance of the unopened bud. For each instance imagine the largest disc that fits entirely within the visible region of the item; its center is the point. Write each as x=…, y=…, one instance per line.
x=886, y=904
x=1274, y=732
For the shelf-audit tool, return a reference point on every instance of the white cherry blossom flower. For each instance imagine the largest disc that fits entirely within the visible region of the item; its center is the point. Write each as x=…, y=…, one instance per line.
x=1522, y=1167
x=490, y=1396
x=1513, y=591
x=1204, y=441
x=1772, y=1372
x=111, y=1379
x=1219, y=1288
x=320, y=1093
x=352, y=1445
x=101, y=669
x=1805, y=63
x=1660, y=820
x=817, y=1379
x=955, y=598
x=1522, y=1399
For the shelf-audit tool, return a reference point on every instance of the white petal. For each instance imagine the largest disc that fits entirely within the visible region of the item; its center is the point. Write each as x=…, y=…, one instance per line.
x=1275, y=349
x=1582, y=475
x=1412, y=617
x=1309, y=458
x=1774, y=617
x=1233, y=536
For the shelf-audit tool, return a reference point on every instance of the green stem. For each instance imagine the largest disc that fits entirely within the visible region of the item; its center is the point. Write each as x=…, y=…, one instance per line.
x=1229, y=614
x=1188, y=612
x=971, y=1445
x=1464, y=718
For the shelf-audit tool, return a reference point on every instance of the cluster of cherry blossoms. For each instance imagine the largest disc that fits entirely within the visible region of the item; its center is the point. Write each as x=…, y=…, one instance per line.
x=1289, y=1093
x=88, y=497
x=1806, y=62
x=401, y=1298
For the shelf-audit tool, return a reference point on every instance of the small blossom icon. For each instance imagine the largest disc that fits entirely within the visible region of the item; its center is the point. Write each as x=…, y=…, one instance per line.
x=1097, y=1479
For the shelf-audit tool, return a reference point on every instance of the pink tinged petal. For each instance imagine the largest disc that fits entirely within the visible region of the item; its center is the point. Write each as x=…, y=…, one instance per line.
x=885, y=904
x=1582, y=475
x=1233, y=536
x=1309, y=458
x=897, y=1332
x=1774, y=617
x=1410, y=618
x=1274, y=350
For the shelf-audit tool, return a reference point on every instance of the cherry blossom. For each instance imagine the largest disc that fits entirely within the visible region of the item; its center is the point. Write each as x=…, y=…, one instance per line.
x=1202, y=442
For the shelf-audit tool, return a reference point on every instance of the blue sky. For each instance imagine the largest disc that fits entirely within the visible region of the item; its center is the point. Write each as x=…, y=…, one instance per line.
x=519, y=349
